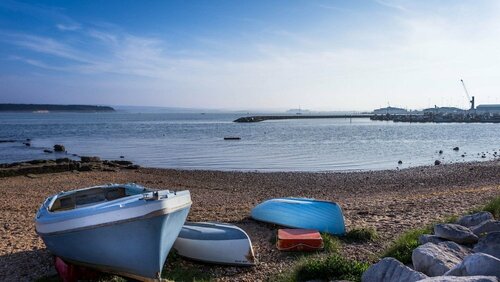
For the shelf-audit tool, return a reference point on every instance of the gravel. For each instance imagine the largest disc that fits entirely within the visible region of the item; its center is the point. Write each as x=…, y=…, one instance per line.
x=391, y=201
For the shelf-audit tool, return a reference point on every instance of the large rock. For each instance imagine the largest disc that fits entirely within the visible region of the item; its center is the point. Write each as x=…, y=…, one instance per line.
x=390, y=269
x=59, y=148
x=474, y=219
x=461, y=279
x=436, y=259
x=426, y=238
x=477, y=264
x=456, y=233
x=487, y=226
x=489, y=244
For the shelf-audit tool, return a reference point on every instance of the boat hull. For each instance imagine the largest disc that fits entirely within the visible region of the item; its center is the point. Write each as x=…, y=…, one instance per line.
x=118, y=228
x=215, y=243
x=137, y=248
x=303, y=213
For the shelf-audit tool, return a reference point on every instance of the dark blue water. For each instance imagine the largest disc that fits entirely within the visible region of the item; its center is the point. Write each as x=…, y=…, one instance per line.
x=195, y=141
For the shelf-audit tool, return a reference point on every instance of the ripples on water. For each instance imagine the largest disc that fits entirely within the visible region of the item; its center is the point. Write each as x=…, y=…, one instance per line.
x=195, y=141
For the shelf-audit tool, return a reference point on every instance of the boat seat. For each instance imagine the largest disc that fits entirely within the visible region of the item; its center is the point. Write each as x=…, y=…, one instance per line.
x=114, y=194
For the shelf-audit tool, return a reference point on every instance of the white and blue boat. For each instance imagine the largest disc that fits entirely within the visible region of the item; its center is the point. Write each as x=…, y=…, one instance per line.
x=304, y=213
x=217, y=243
x=124, y=229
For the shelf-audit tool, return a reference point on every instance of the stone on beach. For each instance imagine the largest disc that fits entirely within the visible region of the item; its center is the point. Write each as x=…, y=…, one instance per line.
x=59, y=148
x=486, y=227
x=436, y=259
x=426, y=238
x=474, y=219
x=437, y=162
x=390, y=269
x=489, y=244
x=456, y=233
x=477, y=264
x=478, y=278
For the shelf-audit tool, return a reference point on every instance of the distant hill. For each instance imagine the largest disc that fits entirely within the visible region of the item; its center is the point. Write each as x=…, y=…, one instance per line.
x=53, y=108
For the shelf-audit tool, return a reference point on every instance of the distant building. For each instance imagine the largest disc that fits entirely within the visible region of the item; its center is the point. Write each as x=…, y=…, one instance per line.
x=390, y=110
x=491, y=108
x=443, y=110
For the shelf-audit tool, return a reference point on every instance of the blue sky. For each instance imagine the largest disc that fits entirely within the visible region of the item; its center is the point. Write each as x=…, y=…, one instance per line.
x=323, y=55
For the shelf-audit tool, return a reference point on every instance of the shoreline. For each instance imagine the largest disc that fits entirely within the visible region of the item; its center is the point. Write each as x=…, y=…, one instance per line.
x=391, y=201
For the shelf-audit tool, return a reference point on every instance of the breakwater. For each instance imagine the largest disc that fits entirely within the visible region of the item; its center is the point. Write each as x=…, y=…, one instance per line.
x=439, y=118
x=276, y=117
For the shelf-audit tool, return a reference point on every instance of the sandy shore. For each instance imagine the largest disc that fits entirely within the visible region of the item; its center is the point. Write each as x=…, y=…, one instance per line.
x=390, y=201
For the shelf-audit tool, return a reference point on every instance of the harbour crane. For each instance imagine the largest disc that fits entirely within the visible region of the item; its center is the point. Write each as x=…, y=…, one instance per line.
x=471, y=101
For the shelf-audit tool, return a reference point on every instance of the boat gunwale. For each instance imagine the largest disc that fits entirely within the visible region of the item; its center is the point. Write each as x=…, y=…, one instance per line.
x=103, y=214
x=156, y=213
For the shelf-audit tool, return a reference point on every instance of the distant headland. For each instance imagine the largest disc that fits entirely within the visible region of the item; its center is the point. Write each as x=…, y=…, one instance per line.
x=44, y=108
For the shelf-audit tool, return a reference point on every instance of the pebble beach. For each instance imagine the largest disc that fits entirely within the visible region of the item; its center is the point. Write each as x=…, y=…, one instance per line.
x=391, y=201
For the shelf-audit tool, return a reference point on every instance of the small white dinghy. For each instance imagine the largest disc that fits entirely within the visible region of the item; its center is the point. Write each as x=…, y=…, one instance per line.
x=217, y=243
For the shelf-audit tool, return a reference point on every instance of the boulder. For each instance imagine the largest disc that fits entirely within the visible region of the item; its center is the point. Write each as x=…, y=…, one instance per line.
x=477, y=264
x=59, y=148
x=474, y=219
x=426, y=238
x=436, y=259
x=461, y=279
x=489, y=244
x=390, y=269
x=486, y=227
x=456, y=149
x=456, y=233
x=89, y=159
x=437, y=162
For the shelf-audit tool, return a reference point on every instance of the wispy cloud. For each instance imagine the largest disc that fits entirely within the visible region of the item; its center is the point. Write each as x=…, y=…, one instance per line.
x=43, y=45
x=68, y=27
x=393, y=4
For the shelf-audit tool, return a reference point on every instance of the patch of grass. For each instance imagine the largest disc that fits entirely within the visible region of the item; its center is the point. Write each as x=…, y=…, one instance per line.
x=178, y=271
x=331, y=243
x=402, y=248
x=363, y=234
x=493, y=206
x=333, y=267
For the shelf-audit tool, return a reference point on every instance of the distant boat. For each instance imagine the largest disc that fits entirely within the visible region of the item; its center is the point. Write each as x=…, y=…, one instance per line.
x=232, y=138
x=303, y=213
x=123, y=229
x=215, y=243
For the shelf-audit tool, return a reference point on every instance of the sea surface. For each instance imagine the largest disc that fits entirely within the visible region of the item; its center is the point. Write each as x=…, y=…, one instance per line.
x=196, y=141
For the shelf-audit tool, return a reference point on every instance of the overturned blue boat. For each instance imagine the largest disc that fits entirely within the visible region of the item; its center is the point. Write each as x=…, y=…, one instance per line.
x=304, y=213
x=124, y=229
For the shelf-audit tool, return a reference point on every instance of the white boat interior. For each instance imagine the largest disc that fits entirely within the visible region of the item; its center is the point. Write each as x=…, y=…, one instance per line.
x=87, y=197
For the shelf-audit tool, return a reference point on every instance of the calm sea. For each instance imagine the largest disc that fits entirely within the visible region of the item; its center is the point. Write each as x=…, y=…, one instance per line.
x=195, y=141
